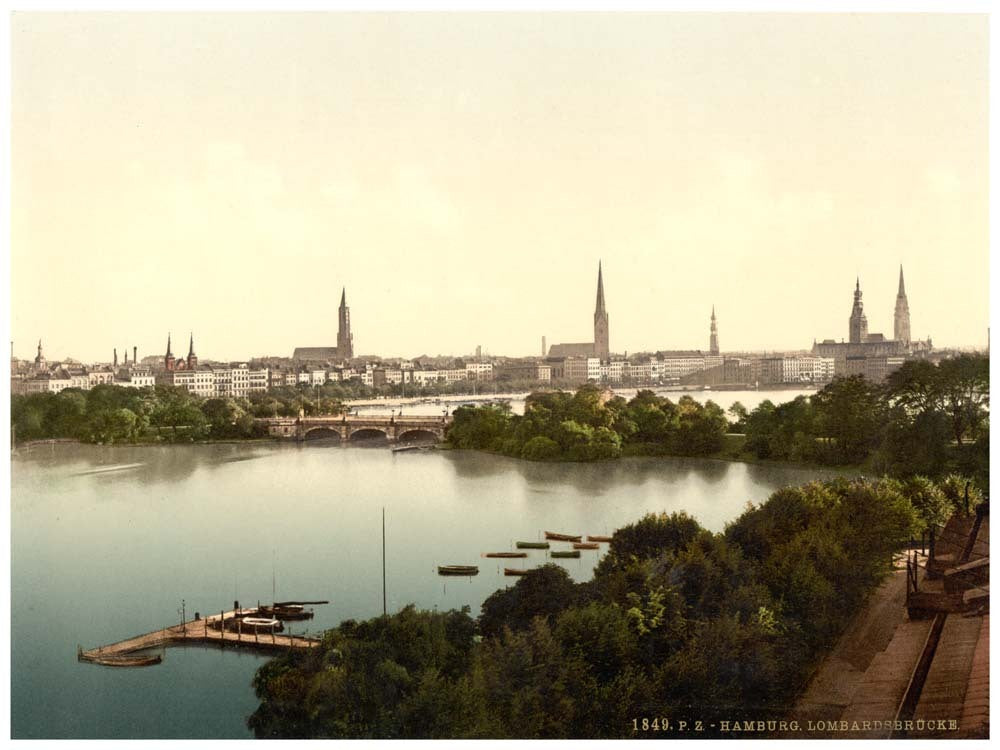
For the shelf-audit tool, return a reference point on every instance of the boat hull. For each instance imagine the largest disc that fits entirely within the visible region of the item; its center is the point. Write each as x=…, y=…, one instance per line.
x=457, y=570
x=565, y=553
x=532, y=545
x=562, y=537
x=515, y=571
x=506, y=554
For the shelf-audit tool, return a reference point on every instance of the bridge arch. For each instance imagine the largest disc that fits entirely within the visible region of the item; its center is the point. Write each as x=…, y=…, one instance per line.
x=322, y=433
x=368, y=434
x=419, y=435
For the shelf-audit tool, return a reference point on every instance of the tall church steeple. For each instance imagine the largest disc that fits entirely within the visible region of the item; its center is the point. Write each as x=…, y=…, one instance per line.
x=192, y=358
x=168, y=360
x=602, y=348
x=858, y=323
x=901, y=318
x=345, y=339
x=713, y=338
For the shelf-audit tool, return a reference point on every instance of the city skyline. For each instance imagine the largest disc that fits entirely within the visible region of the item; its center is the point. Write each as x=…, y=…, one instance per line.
x=711, y=348
x=236, y=194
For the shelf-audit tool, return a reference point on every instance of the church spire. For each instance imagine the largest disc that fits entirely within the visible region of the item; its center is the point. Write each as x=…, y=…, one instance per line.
x=169, y=353
x=343, y=297
x=191, y=345
x=602, y=347
x=901, y=316
x=600, y=289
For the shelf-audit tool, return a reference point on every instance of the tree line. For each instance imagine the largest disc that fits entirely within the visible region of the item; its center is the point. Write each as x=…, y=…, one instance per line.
x=589, y=425
x=924, y=419
x=162, y=413
x=677, y=622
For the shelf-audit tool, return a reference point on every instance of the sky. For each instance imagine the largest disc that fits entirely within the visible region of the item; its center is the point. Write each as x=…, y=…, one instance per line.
x=462, y=175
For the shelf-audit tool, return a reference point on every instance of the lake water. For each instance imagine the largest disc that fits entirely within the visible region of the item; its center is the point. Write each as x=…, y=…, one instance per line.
x=107, y=541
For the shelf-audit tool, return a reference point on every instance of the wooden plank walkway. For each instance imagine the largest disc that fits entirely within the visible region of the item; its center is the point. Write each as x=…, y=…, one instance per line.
x=943, y=694
x=129, y=652
x=975, y=720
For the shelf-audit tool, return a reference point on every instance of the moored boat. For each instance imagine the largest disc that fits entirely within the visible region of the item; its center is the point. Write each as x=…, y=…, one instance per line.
x=532, y=545
x=457, y=570
x=565, y=553
x=562, y=537
x=255, y=625
x=505, y=554
x=586, y=545
x=596, y=538
x=515, y=571
x=286, y=612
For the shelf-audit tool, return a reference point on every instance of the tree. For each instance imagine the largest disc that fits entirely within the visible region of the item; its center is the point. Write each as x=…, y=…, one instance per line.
x=542, y=592
x=850, y=413
x=965, y=392
x=540, y=448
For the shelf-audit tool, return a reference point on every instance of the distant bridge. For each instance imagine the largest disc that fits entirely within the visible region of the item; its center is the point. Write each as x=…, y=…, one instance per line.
x=347, y=428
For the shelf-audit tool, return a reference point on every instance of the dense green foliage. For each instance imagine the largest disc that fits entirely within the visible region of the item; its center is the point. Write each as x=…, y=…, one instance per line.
x=590, y=425
x=113, y=414
x=924, y=419
x=677, y=621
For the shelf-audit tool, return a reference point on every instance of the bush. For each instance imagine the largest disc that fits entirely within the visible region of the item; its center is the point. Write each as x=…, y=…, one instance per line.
x=540, y=448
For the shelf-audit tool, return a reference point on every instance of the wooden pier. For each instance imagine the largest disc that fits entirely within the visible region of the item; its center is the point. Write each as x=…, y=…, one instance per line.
x=210, y=630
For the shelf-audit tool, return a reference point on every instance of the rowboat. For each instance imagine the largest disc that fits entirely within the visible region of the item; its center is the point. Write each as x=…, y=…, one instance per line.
x=515, y=571
x=565, y=553
x=256, y=625
x=123, y=660
x=586, y=545
x=595, y=538
x=457, y=570
x=532, y=545
x=505, y=554
x=562, y=537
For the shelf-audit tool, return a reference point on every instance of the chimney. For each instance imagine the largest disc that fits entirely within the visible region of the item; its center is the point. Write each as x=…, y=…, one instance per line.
x=544, y=351
x=135, y=356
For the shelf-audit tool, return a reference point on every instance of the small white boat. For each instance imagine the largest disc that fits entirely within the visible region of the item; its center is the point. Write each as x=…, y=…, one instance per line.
x=261, y=625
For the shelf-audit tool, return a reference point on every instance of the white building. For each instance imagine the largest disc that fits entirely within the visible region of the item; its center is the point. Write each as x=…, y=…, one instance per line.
x=135, y=378
x=200, y=381
x=479, y=370
x=677, y=366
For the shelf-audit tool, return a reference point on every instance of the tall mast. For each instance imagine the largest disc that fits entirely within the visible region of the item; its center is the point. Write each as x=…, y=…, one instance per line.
x=385, y=612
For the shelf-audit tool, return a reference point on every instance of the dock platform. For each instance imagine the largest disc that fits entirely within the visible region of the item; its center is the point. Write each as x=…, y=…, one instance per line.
x=134, y=652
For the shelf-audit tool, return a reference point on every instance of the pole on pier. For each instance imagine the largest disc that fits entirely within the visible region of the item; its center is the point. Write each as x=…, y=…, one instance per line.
x=384, y=609
x=183, y=618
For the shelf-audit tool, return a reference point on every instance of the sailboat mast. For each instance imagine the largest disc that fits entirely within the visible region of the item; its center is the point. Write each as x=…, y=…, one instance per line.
x=384, y=609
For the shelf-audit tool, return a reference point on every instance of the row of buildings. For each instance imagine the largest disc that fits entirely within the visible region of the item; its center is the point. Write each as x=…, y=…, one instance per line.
x=868, y=354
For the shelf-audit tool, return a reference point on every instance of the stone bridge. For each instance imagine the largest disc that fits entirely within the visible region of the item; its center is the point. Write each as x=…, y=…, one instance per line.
x=347, y=428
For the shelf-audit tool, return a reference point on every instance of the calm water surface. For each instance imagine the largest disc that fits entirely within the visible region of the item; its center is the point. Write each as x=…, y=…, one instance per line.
x=107, y=541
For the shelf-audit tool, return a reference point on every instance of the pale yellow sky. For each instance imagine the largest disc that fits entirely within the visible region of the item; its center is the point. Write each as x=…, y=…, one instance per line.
x=461, y=175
